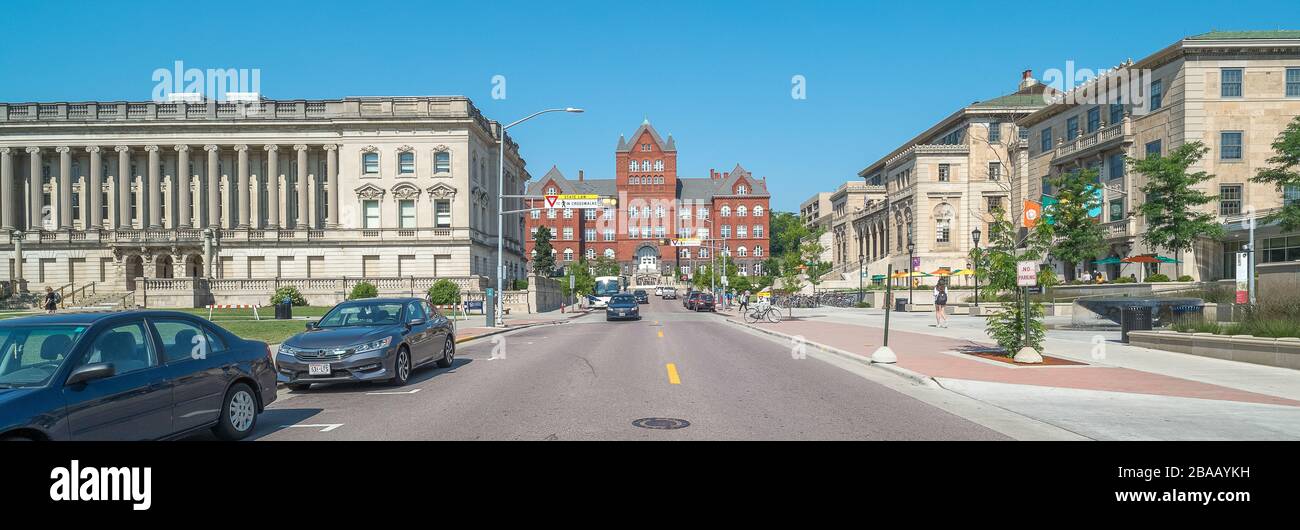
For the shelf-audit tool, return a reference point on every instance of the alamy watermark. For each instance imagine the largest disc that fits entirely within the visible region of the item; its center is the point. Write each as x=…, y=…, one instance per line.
x=1122, y=85
x=179, y=83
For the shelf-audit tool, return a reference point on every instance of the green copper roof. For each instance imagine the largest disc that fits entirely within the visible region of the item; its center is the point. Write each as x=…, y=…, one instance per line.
x=1013, y=100
x=1258, y=34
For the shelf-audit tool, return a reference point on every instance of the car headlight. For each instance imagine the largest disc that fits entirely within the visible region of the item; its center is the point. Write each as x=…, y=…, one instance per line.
x=372, y=345
x=289, y=350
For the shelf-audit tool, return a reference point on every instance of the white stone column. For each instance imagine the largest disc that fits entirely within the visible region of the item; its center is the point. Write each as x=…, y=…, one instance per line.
x=303, y=192
x=272, y=179
x=182, y=194
x=7, y=203
x=94, y=191
x=213, y=188
x=154, y=184
x=35, y=189
x=243, y=219
x=332, y=170
x=123, y=186
x=65, y=187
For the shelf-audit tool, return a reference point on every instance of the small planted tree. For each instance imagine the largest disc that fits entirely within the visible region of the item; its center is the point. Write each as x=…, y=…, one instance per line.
x=444, y=292
x=544, y=261
x=363, y=290
x=1285, y=174
x=1172, y=210
x=1003, y=254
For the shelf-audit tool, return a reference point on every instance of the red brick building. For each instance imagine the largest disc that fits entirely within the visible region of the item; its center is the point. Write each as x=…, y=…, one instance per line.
x=728, y=211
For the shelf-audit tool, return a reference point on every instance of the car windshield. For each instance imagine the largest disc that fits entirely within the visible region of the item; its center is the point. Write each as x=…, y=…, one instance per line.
x=30, y=355
x=607, y=287
x=622, y=299
x=362, y=314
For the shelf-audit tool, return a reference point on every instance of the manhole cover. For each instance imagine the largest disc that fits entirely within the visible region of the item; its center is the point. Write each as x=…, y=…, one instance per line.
x=661, y=423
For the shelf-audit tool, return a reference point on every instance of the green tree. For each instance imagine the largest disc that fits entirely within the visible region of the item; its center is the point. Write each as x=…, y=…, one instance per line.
x=1002, y=255
x=1172, y=210
x=444, y=292
x=1081, y=237
x=1285, y=174
x=544, y=261
x=786, y=232
x=810, y=253
x=584, y=283
x=363, y=290
x=604, y=266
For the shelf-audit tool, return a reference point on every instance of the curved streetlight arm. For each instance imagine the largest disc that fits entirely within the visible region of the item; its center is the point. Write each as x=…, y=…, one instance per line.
x=539, y=113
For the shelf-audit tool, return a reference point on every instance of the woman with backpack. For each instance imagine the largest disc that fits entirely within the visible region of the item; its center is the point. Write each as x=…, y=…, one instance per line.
x=940, y=303
x=51, y=300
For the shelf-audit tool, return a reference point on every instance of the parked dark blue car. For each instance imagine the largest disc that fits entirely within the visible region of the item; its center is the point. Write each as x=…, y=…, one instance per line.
x=373, y=339
x=134, y=375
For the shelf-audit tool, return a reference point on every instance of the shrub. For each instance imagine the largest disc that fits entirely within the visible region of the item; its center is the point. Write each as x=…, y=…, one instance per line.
x=292, y=293
x=444, y=292
x=862, y=305
x=1125, y=279
x=520, y=285
x=1185, y=278
x=1157, y=278
x=363, y=290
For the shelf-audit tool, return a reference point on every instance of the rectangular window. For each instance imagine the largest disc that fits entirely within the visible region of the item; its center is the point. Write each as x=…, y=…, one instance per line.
x=568, y=234
x=371, y=209
x=589, y=234
x=442, y=162
x=406, y=213
x=406, y=163
x=995, y=132
x=995, y=170
x=1045, y=144
x=1071, y=128
x=1157, y=94
x=1117, y=110
x=589, y=214
x=609, y=235
x=944, y=170
x=1094, y=119
x=370, y=163
x=1230, y=82
x=1230, y=199
x=994, y=203
x=1290, y=195
x=1116, y=209
x=1153, y=149
x=1293, y=82
x=1230, y=145
x=1047, y=185
x=1115, y=165
x=535, y=214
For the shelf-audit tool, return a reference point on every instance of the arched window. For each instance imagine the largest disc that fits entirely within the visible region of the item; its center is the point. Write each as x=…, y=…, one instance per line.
x=741, y=211
x=568, y=254
x=645, y=165
x=631, y=165
x=726, y=211
x=659, y=165
x=634, y=180
x=591, y=253
x=659, y=212
x=758, y=211
x=686, y=253
x=645, y=212
x=742, y=252
x=742, y=190
x=609, y=253
x=758, y=251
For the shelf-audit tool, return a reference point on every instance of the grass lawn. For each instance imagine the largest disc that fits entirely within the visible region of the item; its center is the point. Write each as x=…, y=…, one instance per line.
x=268, y=331
x=267, y=312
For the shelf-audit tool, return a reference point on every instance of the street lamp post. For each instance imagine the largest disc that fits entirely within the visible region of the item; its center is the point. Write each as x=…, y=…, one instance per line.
x=975, y=235
x=498, y=307
x=861, y=262
x=911, y=269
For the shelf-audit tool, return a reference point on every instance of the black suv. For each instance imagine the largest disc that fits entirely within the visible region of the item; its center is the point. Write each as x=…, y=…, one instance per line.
x=642, y=297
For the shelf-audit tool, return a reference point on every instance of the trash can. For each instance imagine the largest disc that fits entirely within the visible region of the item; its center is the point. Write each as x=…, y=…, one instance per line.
x=1134, y=318
x=284, y=309
x=900, y=304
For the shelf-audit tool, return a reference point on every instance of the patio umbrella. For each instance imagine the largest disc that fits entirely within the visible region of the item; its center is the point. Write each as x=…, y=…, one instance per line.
x=1109, y=261
x=1140, y=259
x=943, y=271
x=919, y=274
x=1167, y=260
x=963, y=272
x=877, y=277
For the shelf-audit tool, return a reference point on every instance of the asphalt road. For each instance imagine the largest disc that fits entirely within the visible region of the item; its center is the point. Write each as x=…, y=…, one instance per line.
x=590, y=379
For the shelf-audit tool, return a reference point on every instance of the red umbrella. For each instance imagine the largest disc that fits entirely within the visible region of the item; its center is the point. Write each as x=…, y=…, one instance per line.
x=1140, y=259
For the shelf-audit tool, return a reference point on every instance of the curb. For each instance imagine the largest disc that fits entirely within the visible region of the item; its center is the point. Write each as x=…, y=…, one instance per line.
x=915, y=377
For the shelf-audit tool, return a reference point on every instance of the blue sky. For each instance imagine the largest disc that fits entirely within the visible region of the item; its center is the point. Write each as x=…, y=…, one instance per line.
x=717, y=75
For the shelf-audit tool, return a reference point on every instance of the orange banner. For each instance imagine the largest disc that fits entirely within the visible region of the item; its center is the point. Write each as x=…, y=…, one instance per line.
x=1033, y=212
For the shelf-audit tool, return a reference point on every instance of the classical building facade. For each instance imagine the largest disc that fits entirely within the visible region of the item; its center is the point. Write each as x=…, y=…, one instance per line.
x=727, y=211
x=935, y=189
x=109, y=192
x=834, y=213
x=815, y=213
x=1232, y=91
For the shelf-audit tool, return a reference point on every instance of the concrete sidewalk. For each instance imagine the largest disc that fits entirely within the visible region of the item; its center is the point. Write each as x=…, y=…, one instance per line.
x=475, y=326
x=1119, y=392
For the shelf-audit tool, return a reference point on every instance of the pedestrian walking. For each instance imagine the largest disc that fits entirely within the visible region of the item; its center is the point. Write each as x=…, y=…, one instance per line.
x=51, y=300
x=940, y=303
x=744, y=301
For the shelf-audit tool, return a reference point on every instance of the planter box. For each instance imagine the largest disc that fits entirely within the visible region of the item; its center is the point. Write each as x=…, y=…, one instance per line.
x=1282, y=353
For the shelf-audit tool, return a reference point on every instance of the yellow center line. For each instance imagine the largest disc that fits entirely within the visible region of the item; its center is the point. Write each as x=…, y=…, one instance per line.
x=661, y=334
x=672, y=375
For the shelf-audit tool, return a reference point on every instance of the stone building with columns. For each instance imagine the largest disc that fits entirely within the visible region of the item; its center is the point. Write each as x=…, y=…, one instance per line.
x=360, y=187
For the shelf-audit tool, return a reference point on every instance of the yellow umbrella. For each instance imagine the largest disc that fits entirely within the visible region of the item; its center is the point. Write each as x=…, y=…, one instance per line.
x=899, y=274
x=943, y=271
x=964, y=272
x=919, y=274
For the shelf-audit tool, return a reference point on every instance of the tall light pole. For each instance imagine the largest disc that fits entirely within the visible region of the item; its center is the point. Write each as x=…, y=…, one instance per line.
x=911, y=269
x=862, y=260
x=975, y=236
x=497, y=310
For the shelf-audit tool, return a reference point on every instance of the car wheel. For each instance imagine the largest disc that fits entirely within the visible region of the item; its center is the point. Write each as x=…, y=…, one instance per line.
x=448, y=353
x=238, y=414
x=298, y=387
x=15, y=438
x=401, y=367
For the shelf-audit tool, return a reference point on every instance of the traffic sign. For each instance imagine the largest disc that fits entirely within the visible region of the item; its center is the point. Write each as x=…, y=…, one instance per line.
x=550, y=200
x=1027, y=273
x=685, y=242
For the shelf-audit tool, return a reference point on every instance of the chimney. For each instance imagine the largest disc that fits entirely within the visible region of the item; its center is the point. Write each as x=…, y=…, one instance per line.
x=1027, y=79
x=579, y=175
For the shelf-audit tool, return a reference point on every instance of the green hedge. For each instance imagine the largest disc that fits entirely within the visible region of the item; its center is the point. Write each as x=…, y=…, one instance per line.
x=444, y=292
x=363, y=290
x=1157, y=278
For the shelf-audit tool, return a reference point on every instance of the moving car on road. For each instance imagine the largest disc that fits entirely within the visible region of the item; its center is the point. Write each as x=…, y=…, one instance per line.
x=702, y=302
x=373, y=339
x=641, y=296
x=606, y=286
x=670, y=294
x=621, y=307
x=133, y=375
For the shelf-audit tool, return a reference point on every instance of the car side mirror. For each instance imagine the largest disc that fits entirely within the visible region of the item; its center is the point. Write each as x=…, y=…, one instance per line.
x=415, y=322
x=313, y=324
x=90, y=372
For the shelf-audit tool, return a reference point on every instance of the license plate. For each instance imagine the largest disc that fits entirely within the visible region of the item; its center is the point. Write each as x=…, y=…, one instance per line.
x=318, y=369
x=622, y=314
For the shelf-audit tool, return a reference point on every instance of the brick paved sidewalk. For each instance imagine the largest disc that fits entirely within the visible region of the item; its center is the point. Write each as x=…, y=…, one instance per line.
x=935, y=356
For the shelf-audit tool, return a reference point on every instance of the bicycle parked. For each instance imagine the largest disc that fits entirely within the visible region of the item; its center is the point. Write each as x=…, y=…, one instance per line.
x=763, y=311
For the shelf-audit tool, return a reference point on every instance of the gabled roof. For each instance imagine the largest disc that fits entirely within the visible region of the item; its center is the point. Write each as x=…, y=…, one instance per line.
x=599, y=187
x=624, y=146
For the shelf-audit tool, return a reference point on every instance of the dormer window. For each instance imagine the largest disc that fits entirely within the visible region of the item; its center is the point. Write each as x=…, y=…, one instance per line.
x=645, y=148
x=742, y=190
x=550, y=190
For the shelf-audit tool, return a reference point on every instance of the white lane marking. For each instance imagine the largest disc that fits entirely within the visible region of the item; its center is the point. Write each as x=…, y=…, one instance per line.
x=324, y=427
x=412, y=391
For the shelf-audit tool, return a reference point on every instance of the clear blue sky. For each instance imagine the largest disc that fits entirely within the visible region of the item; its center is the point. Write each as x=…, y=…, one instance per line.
x=714, y=74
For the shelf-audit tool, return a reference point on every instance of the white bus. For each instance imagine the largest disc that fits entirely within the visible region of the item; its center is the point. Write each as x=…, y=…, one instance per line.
x=606, y=287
